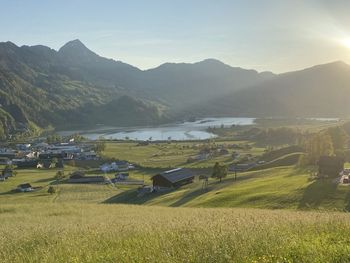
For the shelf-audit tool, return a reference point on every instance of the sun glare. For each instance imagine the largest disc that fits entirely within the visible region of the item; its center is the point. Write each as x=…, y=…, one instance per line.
x=346, y=42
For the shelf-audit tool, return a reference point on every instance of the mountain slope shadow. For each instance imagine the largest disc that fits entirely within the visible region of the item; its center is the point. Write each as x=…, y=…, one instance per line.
x=190, y=196
x=131, y=197
x=316, y=193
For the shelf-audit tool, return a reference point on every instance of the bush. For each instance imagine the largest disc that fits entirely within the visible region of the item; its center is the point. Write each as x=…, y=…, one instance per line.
x=51, y=190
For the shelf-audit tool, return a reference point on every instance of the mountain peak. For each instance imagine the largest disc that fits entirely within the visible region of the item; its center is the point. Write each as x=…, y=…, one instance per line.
x=74, y=45
x=76, y=51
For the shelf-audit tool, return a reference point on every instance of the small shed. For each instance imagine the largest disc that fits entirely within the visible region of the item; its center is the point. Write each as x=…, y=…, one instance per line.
x=173, y=178
x=330, y=165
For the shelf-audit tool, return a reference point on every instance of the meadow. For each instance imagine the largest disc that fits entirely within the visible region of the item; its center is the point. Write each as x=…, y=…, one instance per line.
x=270, y=215
x=79, y=232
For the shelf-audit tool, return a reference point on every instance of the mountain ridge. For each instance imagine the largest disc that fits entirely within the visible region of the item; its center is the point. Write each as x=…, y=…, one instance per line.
x=43, y=86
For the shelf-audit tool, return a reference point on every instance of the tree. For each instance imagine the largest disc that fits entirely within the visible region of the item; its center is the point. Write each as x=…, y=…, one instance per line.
x=51, y=190
x=339, y=138
x=54, y=138
x=54, y=162
x=2, y=133
x=219, y=171
x=59, y=175
x=317, y=145
x=100, y=146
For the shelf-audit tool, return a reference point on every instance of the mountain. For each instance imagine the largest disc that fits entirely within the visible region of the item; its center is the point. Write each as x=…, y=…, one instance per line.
x=194, y=83
x=41, y=86
x=319, y=91
x=76, y=87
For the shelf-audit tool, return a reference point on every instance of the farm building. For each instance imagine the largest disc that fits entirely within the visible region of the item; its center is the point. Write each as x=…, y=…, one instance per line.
x=23, y=163
x=330, y=165
x=80, y=178
x=24, y=188
x=173, y=178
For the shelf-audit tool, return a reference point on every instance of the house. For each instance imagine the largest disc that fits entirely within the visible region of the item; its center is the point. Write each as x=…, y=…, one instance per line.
x=80, y=178
x=330, y=165
x=51, y=155
x=173, y=178
x=6, y=173
x=115, y=166
x=91, y=155
x=23, y=147
x=122, y=165
x=5, y=161
x=24, y=188
x=9, y=154
x=122, y=176
x=47, y=164
x=24, y=163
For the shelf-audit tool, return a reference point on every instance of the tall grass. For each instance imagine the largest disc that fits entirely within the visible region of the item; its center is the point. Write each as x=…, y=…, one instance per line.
x=121, y=233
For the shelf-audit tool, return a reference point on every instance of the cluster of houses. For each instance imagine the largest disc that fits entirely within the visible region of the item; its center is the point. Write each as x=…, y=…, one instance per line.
x=43, y=155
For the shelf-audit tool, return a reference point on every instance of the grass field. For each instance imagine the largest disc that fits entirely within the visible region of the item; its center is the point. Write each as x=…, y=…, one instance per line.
x=119, y=233
x=107, y=223
x=164, y=155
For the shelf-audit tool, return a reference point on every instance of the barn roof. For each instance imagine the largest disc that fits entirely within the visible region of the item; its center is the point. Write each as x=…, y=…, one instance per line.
x=177, y=175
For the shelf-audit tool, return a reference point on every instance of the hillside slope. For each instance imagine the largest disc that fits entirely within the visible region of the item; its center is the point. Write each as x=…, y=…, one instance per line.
x=45, y=86
x=319, y=91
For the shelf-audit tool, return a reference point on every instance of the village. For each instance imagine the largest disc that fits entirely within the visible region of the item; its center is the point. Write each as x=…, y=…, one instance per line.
x=86, y=162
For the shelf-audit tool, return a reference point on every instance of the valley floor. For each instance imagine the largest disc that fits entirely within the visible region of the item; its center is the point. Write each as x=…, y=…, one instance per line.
x=107, y=223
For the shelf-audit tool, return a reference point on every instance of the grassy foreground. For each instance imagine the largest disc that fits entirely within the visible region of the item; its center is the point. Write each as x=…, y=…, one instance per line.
x=56, y=232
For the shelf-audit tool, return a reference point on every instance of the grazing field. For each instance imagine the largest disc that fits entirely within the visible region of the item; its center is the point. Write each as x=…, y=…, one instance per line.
x=119, y=233
x=275, y=188
x=175, y=154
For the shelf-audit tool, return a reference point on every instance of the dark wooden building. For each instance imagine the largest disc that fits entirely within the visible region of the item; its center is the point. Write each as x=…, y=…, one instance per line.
x=173, y=178
x=26, y=164
x=330, y=165
x=79, y=177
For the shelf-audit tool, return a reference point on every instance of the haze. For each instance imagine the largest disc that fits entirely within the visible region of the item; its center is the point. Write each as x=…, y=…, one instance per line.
x=268, y=35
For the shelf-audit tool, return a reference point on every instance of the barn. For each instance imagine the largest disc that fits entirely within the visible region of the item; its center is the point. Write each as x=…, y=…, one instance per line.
x=173, y=178
x=79, y=177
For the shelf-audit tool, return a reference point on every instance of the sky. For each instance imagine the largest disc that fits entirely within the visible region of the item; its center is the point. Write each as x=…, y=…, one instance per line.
x=269, y=35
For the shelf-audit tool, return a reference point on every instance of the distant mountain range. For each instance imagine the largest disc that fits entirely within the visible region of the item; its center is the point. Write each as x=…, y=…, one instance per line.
x=319, y=91
x=75, y=87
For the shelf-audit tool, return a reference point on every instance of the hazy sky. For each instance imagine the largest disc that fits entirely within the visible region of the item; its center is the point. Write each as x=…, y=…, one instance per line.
x=264, y=35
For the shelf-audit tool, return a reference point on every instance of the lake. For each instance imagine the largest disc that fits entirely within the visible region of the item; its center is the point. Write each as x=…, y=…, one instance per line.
x=180, y=131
